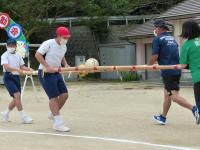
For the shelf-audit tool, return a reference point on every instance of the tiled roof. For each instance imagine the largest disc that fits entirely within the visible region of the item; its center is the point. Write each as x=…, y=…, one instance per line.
x=141, y=30
x=184, y=9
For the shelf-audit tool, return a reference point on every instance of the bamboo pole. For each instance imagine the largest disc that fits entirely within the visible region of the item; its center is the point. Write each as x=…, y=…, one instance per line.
x=108, y=69
x=118, y=68
x=29, y=73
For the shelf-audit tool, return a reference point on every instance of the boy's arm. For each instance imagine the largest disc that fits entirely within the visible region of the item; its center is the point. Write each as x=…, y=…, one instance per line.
x=153, y=59
x=155, y=51
x=64, y=62
x=22, y=67
x=9, y=68
x=42, y=61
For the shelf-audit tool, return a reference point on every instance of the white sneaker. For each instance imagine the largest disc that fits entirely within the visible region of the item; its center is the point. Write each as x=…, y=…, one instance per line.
x=50, y=115
x=5, y=117
x=27, y=120
x=61, y=128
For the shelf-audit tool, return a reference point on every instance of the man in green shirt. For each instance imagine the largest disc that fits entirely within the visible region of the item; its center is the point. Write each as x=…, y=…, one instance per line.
x=190, y=55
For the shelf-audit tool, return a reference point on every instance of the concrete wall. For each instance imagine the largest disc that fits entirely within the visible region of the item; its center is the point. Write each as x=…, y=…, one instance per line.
x=178, y=29
x=115, y=55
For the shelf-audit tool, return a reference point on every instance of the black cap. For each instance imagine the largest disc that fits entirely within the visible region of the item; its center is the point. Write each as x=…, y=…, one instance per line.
x=160, y=23
x=11, y=42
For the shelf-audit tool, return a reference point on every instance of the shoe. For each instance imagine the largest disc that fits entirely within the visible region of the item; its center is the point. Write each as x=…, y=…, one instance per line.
x=61, y=128
x=160, y=119
x=50, y=116
x=27, y=120
x=5, y=117
x=195, y=112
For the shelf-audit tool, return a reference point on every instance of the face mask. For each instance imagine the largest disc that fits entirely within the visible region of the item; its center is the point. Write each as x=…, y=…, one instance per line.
x=154, y=32
x=63, y=41
x=11, y=49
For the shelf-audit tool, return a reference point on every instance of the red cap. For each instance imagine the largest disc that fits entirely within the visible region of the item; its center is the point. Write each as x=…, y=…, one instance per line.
x=63, y=32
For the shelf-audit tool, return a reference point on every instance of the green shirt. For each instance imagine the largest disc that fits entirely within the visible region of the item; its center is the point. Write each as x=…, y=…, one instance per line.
x=190, y=55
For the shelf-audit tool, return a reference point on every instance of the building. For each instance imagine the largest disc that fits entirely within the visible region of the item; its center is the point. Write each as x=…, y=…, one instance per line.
x=143, y=35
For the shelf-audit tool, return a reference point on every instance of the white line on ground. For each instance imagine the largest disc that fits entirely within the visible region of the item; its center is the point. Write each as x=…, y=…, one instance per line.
x=100, y=138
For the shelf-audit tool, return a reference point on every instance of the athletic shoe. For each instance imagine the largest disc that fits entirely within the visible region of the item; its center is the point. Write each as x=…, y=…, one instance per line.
x=50, y=115
x=5, y=117
x=61, y=128
x=195, y=112
x=160, y=119
x=27, y=120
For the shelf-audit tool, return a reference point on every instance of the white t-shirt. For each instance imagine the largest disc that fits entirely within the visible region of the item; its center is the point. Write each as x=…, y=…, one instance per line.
x=54, y=53
x=13, y=60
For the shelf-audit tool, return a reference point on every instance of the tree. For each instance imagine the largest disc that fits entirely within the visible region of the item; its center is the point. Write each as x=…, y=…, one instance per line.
x=140, y=7
x=31, y=14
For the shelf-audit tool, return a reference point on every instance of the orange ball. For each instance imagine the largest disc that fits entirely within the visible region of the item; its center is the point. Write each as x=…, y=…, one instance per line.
x=83, y=73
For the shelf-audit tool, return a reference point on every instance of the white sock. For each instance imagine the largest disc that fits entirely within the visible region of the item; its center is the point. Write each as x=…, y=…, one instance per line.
x=22, y=113
x=50, y=114
x=57, y=119
x=7, y=111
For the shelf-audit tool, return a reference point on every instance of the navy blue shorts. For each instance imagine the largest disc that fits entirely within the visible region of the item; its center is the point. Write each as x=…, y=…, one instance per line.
x=52, y=83
x=12, y=83
x=172, y=83
x=196, y=88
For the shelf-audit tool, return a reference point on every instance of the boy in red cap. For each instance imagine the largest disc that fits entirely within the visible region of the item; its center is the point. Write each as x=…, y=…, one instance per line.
x=51, y=55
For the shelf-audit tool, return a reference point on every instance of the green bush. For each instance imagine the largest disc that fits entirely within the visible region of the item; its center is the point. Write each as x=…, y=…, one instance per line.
x=92, y=76
x=130, y=76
